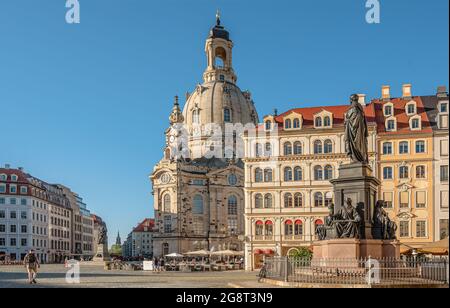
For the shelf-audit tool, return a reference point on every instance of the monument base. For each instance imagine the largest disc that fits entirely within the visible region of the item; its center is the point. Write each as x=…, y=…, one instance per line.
x=102, y=254
x=356, y=249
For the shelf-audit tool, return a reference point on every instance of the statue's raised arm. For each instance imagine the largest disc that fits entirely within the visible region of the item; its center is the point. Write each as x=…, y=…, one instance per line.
x=356, y=132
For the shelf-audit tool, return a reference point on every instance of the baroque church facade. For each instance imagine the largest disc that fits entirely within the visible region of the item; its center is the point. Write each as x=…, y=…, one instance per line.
x=198, y=185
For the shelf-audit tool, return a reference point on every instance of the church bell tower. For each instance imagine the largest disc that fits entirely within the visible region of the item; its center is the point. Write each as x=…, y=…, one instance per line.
x=219, y=53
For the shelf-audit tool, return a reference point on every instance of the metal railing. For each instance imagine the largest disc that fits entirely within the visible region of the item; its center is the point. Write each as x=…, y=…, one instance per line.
x=387, y=272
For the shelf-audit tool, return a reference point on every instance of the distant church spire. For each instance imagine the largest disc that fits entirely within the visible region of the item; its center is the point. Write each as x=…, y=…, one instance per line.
x=118, y=239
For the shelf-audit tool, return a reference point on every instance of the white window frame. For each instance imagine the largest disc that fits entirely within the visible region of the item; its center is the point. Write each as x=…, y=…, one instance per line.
x=386, y=124
x=392, y=110
x=416, y=117
x=407, y=107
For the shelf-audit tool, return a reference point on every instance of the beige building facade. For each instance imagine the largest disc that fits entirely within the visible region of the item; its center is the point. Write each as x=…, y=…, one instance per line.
x=289, y=164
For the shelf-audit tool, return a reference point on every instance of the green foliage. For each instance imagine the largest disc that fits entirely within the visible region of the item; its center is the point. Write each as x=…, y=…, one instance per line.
x=301, y=253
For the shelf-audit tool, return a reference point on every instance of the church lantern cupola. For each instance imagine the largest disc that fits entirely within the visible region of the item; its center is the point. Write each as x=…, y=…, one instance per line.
x=218, y=50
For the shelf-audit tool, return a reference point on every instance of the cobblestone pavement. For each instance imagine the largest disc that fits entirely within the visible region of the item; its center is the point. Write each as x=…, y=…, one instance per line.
x=53, y=276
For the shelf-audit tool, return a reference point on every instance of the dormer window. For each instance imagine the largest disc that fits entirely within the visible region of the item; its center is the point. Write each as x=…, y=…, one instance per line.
x=222, y=78
x=268, y=125
x=318, y=122
x=3, y=177
x=391, y=125
x=288, y=124
x=296, y=123
x=14, y=178
x=443, y=108
x=411, y=109
x=388, y=110
x=327, y=121
x=415, y=123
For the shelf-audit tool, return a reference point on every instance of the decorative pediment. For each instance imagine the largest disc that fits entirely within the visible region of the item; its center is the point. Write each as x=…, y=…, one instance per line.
x=405, y=215
x=405, y=186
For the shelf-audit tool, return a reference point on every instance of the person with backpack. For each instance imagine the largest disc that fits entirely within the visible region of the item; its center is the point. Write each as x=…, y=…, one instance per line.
x=31, y=263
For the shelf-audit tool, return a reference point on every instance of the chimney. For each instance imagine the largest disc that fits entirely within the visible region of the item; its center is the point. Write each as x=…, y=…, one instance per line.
x=7, y=166
x=442, y=92
x=386, y=93
x=20, y=169
x=407, y=91
x=362, y=99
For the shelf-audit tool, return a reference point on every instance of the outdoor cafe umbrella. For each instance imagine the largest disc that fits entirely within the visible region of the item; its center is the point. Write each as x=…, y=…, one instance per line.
x=198, y=253
x=436, y=248
x=174, y=255
x=229, y=253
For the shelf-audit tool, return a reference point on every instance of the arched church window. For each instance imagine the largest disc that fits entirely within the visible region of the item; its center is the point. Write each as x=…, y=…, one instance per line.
x=232, y=205
x=166, y=201
x=196, y=116
x=197, y=208
x=227, y=115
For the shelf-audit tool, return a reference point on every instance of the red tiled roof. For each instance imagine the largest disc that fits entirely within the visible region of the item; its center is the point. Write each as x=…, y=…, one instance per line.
x=146, y=225
x=401, y=117
x=22, y=176
x=338, y=112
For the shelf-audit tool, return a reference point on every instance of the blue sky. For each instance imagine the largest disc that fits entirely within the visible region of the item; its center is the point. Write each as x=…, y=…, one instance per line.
x=86, y=105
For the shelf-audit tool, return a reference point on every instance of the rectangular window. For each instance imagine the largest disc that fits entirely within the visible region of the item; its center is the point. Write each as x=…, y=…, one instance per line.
x=167, y=224
x=404, y=148
x=404, y=228
x=420, y=147
x=23, y=229
x=387, y=148
x=443, y=228
x=421, y=199
x=13, y=201
x=13, y=215
x=444, y=107
x=420, y=172
x=387, y=173
x=13, y=242
x=443, y=121
x=13, y=189
x=421, y=228
x=2, y=200
x=13, y=228
x=2, y=228
x=444, y=173
x=2, y=242
x=23, y=201
x=404, y=199
x=23, y=190
x=2, y=214
x=387, y=196
x=444, y=147
x=444, y=199
x=23, y=242
x=3, y=188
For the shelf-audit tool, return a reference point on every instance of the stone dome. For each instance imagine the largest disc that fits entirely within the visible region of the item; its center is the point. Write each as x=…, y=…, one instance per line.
x=219, y=102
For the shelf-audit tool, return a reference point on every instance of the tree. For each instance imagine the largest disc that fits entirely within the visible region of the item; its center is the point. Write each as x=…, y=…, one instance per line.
x=301, y=253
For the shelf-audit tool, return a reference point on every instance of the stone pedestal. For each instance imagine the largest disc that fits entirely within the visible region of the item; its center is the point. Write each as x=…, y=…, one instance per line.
x=102, y=254
x=356, y=182
x=356, y=249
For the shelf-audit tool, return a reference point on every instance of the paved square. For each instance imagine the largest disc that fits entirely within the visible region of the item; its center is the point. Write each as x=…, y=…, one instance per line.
x=53, y=276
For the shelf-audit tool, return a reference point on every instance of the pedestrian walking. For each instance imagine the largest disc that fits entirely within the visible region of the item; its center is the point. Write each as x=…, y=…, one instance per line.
x=31, y=263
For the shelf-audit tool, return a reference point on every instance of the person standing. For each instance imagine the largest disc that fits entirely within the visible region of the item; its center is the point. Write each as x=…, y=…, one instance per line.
x=31, y=263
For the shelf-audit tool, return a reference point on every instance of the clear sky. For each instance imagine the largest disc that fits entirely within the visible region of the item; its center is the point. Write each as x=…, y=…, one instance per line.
x=86, y=105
